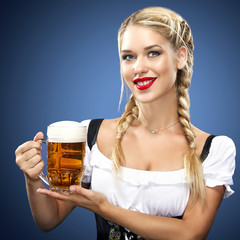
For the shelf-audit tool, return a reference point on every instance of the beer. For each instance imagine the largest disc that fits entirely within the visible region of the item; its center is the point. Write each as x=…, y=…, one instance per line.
x=65, y=156
x=65, y=164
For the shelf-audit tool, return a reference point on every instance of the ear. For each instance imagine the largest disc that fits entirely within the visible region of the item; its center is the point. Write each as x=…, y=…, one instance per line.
x=181, y=57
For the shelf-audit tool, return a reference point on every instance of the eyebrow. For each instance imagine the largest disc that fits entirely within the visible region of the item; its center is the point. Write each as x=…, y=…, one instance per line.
x=146, y=48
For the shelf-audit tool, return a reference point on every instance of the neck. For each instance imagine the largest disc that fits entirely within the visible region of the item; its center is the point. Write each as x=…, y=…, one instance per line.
x=159, y=114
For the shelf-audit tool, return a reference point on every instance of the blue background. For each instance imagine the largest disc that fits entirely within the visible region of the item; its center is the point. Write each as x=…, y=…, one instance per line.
x=59, y=61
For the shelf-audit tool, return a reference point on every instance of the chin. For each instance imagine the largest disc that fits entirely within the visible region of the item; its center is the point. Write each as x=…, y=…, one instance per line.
x=145, y=100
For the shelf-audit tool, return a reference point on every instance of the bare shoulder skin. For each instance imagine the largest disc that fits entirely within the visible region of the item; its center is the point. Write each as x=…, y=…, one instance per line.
x=201, y=138
x=107, y=135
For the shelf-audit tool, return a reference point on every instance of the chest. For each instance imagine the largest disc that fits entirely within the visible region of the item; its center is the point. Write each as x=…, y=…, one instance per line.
x=154, y=152
x=156, y=193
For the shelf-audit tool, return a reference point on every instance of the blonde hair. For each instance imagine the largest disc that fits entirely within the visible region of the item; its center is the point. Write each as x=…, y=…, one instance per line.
x=177, y=31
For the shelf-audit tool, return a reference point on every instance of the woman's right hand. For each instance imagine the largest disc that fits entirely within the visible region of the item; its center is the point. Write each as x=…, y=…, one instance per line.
x=28, y=158
x=47, y=211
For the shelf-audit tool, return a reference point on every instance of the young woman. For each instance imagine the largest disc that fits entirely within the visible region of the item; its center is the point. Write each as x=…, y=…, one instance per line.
x=153, y=175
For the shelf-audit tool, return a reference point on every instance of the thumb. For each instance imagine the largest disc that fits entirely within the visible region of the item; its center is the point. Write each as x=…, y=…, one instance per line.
x=38, y=136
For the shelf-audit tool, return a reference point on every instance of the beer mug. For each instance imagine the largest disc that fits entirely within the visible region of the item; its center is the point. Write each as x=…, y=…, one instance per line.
x=65, y=155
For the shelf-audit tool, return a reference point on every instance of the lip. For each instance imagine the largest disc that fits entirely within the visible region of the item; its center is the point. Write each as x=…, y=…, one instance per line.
x=146, y=86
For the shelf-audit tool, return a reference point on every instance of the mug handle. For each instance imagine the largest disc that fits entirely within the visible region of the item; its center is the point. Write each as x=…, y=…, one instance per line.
x=41, y=175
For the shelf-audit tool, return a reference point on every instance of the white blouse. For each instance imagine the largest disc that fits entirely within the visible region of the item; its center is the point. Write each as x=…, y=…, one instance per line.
x=156, y=192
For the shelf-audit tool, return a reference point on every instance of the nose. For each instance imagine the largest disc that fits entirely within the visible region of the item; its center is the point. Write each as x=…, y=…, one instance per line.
x=140, y=66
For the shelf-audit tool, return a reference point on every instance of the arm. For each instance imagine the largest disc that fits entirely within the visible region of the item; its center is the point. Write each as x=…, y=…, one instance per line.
x=196, y=222
x=47, y=212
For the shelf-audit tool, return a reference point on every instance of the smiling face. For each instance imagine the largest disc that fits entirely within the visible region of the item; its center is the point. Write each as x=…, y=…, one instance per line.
x=148, y=63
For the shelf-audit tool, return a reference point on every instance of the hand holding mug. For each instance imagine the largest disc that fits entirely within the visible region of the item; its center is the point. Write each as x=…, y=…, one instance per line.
x=65, y=155
x=29, y=159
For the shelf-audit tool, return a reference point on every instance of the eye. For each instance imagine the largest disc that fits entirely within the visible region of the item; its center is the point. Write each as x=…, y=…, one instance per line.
x=128, y=57
x=153, y=54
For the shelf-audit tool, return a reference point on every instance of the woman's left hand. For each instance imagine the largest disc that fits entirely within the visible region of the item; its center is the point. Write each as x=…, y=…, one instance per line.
x=79, y=196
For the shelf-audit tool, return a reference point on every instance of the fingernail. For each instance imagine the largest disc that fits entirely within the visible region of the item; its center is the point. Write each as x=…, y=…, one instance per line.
x=72, y=189
x=40, y=191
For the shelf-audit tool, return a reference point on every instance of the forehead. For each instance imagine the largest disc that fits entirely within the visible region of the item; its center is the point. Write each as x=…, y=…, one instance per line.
x=144, y=36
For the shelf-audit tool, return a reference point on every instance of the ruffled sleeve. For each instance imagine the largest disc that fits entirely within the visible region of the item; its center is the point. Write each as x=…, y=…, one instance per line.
x=219, y=166
x=87, y=174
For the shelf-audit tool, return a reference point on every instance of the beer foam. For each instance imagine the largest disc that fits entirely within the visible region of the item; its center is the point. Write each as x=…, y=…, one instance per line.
x=66, y=132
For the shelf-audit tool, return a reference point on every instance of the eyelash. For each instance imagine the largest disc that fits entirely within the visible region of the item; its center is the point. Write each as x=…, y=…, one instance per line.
x=125, y=57
x=156, y=53
x=129, y=57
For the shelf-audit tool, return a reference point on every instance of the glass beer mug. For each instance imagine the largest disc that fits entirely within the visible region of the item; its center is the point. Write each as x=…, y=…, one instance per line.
x=65, y=155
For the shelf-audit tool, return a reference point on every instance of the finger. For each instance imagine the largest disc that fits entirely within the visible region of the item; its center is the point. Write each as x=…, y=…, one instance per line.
x=32, y=162
x=23, y=160
x=59, y=196
x=28, y=155
x=29, y=159
x=27, y=146
x=34, y=172
x=81, y=191
x=38, y=136
x=32, y=167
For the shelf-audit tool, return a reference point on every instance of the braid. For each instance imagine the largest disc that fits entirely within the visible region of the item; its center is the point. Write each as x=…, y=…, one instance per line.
x=177, y=31
x=192, y=162
x=129, y=117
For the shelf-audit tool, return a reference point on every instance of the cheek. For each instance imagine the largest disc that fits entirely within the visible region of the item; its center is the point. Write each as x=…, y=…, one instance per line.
x=167, y=68
x=126, y=72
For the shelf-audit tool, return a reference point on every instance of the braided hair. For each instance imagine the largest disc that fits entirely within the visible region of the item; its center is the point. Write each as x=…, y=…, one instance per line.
x=177, y=31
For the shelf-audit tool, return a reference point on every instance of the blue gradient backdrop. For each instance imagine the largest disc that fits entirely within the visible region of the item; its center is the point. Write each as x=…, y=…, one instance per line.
x=59, y=61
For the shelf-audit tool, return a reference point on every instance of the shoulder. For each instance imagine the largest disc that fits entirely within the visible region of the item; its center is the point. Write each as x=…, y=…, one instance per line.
x=109, y=125
x=106, y=126
x=219, y=166
x=85, y=122
x=108, y=131
x=201, y=138
x=223, y=145
x=224, y=140
x=222, y=154
x=105, y=134
x=220, y=143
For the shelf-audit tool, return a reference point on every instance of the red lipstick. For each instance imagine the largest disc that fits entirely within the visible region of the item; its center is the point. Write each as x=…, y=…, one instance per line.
x=144, y=83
